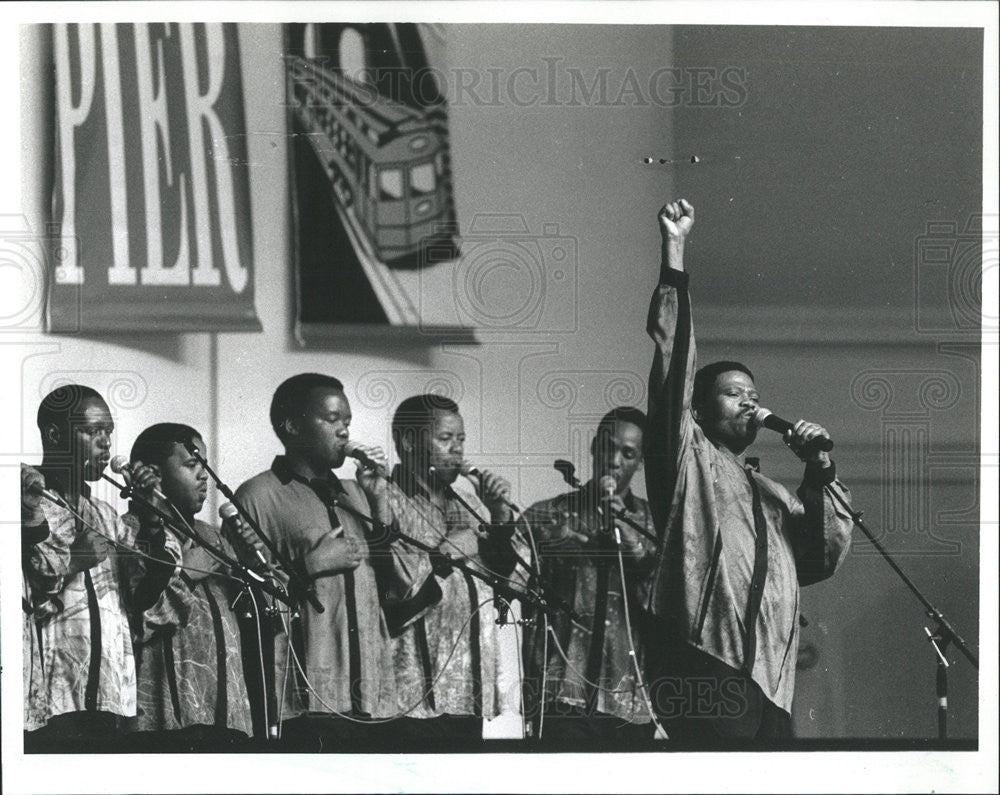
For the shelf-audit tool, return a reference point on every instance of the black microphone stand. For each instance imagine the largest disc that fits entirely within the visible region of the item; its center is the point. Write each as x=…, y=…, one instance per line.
x=944, y=633
x=496, y=583
x=299, y=580
x=246, y=575
x=567, y=470
x=250, y=579
x=543, y=585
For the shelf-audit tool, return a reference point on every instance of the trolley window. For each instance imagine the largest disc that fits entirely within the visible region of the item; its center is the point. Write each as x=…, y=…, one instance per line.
x=422, y=179
x=390, y=182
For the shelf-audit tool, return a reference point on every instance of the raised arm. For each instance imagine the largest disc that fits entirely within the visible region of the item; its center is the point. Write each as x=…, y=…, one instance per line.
x=671, y=377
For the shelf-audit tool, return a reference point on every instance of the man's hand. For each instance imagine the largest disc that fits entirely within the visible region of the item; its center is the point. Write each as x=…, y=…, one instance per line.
x=144, y=479
x=345, y=554
x=676, y=219
x=87, y=550
x=373, y=482
x=631, y=540
x=798, y=440
x=31, y=502
x=495, y=492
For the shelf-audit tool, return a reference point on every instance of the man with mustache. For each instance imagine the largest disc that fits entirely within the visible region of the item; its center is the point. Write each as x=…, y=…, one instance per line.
x=80, y=595
x=445, y=650
x=735, y=545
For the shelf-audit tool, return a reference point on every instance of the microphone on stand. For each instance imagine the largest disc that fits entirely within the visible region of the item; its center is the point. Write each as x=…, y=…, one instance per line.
x=121, y=466
x=568, y=471
x=468, y=469
x=40, y=490
x=238, y=534
x=608, y=486
x=356, y=451
x=763, y=418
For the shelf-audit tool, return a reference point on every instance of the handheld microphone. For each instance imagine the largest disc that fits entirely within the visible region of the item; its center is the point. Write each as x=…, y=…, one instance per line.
x=355, y=451
x=763, y=418
x=121, y=465
x=40, y=490
x=468, y=469
x=233, y=527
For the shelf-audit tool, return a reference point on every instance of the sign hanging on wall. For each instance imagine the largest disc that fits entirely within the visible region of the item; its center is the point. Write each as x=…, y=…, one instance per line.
x=151, y=202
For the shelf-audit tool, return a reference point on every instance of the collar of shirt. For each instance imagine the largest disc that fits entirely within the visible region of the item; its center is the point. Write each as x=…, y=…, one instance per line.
x=743, y=460
x=282, y=468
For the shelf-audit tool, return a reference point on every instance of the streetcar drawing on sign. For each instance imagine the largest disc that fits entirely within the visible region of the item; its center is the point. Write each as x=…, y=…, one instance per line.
x=371, y=172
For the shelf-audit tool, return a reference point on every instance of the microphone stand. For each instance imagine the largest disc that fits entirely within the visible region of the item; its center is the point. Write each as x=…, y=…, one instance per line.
x=496, y=583
x=545, y=587
x=943, y=634
x=574, y=481
x=242, y=572
x=299, y=580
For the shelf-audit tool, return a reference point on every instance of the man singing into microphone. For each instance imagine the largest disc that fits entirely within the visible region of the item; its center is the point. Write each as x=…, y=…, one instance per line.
x=333, y=672
x=192, y=695
x=735, y=545
x=592, y=699
x=444, y=619
x=80, y=595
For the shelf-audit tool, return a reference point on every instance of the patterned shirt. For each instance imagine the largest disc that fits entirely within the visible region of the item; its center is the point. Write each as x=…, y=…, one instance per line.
x=36, y=701
x=188, y=653
x=344, y=652
x=588, y=663
x=84, y=638
x=715, y=511
x=445, y=652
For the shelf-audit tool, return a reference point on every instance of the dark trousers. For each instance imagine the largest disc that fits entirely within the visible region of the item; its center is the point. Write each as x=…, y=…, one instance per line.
x=189, y=740
x=443, y=734
x=317, y=733
x=569, y=728
x=77, y=733
x=704, y=703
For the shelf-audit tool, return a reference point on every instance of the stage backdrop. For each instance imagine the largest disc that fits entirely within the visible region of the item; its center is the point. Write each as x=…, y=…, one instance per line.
x=150, y=201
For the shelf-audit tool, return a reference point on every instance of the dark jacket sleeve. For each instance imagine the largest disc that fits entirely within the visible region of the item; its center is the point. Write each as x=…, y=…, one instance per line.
x=669, y=422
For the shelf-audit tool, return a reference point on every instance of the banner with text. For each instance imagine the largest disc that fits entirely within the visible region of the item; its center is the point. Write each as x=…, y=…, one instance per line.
x=151, y=202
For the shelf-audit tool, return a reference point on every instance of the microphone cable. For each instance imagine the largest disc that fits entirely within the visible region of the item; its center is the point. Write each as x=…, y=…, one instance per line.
x=311, y=688
x=631, y=639
x=181, y=566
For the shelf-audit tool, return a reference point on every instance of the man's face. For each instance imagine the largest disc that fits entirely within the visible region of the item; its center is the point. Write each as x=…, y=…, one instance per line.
x=90, y=429
x=725, y=416
x=617, y=452
x=445, y=446
x=184, y=480
x=323, y=428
